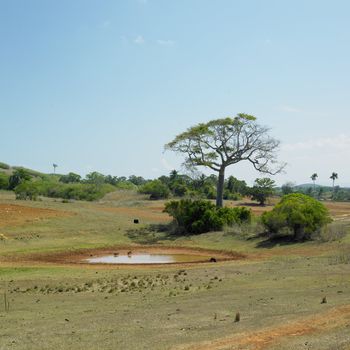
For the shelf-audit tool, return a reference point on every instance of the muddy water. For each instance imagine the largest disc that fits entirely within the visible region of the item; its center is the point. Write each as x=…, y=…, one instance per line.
x=145, y=258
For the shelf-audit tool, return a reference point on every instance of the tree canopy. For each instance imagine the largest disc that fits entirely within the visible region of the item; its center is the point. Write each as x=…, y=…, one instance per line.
x=224, y=142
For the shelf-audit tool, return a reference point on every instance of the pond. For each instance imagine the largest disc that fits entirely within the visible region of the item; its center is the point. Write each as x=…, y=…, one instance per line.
x=146, y=258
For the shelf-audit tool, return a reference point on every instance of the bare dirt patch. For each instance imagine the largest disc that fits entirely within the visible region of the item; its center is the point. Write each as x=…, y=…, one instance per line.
x=339, y=210
x=259, y=340
x=14, y=215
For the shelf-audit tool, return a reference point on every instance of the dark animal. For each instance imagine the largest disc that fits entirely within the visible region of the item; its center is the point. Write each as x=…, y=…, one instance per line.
x=136, y=221
x=212, y=260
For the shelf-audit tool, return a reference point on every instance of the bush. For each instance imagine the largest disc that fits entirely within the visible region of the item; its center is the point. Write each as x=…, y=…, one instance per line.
x=55, y=189
x=333, y=232
x=298, y=214
x=70, y=178
x=262, y=189
x=199, y=216
x=4, y=166
x=232, y=196
x=156, y=189
x=27, y=190
x=4, y=181
x=19, y=175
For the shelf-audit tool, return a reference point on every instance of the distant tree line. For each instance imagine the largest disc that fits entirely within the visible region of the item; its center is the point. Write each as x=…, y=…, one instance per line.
x=29, y=184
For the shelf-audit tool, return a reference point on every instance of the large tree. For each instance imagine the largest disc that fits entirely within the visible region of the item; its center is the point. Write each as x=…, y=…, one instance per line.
x=224, y=142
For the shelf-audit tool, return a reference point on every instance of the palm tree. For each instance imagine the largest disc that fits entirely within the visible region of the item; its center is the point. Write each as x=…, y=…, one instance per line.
x=314, y=176
x=54, y=167
x=334, y=176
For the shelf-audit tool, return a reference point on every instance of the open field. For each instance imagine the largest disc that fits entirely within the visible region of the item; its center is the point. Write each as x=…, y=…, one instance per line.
x=60, y=304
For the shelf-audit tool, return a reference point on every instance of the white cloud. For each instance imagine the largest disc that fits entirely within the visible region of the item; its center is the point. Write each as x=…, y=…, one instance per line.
x=139, y=40
x=321, y=155
x=289, y=109
x=336, y=144
x=165, y=42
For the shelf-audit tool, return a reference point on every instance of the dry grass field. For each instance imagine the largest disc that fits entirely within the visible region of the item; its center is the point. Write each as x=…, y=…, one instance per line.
x=288, y=295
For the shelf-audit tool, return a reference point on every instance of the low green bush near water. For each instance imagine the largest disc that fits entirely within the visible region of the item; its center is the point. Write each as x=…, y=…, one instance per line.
x=296, y=214
x=199, y=216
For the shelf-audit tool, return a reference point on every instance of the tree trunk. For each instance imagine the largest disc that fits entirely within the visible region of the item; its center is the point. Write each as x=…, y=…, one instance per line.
x=220, y=189
x=298, y=233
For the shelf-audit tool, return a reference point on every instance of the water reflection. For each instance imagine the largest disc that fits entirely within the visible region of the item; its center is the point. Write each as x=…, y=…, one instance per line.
x=144, y=258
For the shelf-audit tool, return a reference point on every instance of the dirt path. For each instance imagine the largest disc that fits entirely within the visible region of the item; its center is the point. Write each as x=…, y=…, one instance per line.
x=259, y=340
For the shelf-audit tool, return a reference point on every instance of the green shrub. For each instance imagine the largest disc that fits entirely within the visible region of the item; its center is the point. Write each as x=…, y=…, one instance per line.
x=125, y=185
x=19, y=175
x=156, y=189
x=27, y=190
x=199, y=216
x=237, y=215
x=4, y=181
x=70, y=178
x=4, y=166
x=263, y=189
x=232, y=196
x=55, y=189
x=298, y=214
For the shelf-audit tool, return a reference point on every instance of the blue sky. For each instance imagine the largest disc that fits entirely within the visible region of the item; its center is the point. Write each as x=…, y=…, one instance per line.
x=104, y=84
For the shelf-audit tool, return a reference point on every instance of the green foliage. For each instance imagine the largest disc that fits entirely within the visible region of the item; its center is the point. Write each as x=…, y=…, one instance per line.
x=287, y=188
x=80, y=191
x=4, y=166
x=227, y=141
x=27, y=190
x=232, y=196
x=55, y=189
x=235, y=186
x=70, y=178
x=125, y=185
x=137, y=180
x=4, y=181
x=156, y=189
x=298, y=214
x=95, y=178
x=30, y=172
x=262, y=189
x=19, y=175
x=199, y=216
